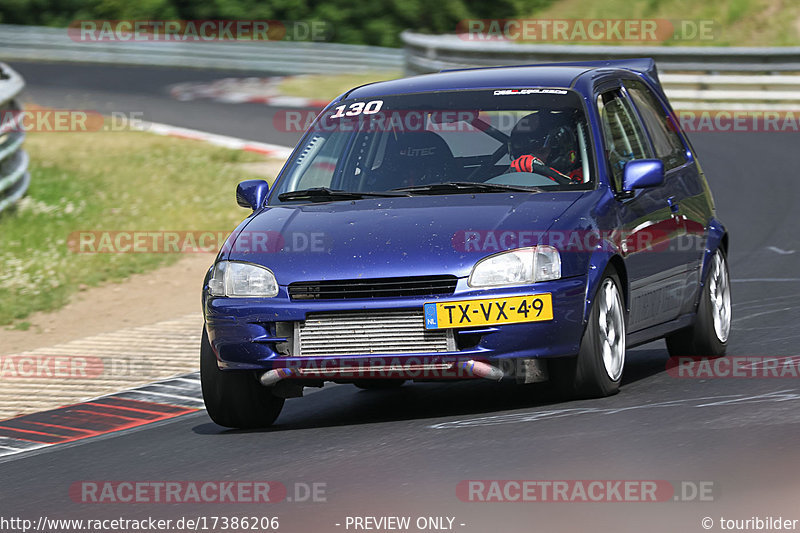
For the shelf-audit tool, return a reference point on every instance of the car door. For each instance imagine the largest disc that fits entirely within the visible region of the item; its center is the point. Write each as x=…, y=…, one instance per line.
x=682, y=183
x=647, y=223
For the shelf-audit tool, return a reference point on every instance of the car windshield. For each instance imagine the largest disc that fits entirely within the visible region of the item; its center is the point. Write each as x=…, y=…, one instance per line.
x=475, y=141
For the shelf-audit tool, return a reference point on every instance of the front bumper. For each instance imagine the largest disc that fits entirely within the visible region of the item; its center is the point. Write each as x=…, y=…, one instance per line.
x=245, y=332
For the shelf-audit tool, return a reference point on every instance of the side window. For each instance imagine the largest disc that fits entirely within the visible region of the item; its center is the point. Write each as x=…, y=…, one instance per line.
x=623, y=134
x=317, y=163
x=666, y=141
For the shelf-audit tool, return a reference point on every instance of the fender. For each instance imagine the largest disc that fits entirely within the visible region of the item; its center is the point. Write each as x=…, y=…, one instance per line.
x=717, y=235
x=605, y=254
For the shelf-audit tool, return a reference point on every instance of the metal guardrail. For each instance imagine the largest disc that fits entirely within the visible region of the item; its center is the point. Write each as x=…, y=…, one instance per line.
x=431, y=53
x=14, y=177
x=37, y=43
x=713, y=84
x=731, y=91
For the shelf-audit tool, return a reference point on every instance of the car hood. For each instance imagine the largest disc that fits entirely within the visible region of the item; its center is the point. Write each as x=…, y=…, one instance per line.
x=392, y=237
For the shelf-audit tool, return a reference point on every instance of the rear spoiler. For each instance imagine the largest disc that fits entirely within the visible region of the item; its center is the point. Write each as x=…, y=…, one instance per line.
x=644, y=66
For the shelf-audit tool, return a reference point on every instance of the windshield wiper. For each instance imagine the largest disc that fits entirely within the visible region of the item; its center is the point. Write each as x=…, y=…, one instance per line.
x=324, y=194
x=465, y=187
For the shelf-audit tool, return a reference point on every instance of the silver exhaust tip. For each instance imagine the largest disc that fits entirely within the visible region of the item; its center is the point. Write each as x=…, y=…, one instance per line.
x=482, y=370
x=271, y=377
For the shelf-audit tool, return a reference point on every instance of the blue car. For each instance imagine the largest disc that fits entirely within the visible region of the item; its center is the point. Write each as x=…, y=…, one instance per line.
x=522, y=223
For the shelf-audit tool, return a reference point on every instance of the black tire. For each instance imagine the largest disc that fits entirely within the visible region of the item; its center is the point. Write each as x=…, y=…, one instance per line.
x=379, y=384
x=235, y=399
x=585, y=375
x=701, y=338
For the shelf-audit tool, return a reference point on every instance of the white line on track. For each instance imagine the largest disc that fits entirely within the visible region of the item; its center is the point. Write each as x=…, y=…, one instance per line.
x=234, y=143
x=765, y=280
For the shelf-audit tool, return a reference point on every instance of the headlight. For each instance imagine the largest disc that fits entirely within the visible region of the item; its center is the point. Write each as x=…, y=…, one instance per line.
x=242, y=280
x=517, y=267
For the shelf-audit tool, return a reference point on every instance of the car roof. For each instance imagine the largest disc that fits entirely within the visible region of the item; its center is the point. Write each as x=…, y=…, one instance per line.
x=556, y=75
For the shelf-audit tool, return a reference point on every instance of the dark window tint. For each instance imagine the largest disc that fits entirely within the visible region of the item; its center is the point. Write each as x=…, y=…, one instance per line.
x=382, y=143
x=623, y=135
x=666, y=142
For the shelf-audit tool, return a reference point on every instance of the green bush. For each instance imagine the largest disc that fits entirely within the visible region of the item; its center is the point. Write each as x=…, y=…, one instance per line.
x=352, y=21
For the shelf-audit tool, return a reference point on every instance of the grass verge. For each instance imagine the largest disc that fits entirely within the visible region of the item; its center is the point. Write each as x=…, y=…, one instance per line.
x=732, y=22
x=107, y=182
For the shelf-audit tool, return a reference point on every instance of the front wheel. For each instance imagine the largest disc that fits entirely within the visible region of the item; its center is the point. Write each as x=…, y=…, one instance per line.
x=708, y=336
x=235, y=399
x=597, y=369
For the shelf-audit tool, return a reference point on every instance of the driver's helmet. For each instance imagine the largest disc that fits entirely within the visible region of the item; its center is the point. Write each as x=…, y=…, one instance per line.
x=548, y=136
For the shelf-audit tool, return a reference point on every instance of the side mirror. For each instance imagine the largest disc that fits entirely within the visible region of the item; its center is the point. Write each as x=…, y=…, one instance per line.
x=252, y=193
x=642, y=173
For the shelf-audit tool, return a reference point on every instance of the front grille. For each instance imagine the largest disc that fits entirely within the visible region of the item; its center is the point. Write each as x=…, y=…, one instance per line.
x=373, y=288
x=372, y=332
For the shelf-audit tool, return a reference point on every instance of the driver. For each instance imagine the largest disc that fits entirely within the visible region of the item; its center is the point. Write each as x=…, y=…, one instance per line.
x=548, y=139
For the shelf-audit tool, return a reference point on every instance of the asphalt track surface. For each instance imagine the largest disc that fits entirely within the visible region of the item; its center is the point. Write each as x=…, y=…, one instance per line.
x=403, y=452
x=145, y=92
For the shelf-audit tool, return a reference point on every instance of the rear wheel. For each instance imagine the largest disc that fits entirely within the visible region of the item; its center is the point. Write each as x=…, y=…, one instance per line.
x=235, y=399
x=597, y=369
x=708, y=336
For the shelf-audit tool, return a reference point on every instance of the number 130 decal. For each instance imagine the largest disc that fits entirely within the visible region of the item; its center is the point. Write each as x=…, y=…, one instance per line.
x=358, y=108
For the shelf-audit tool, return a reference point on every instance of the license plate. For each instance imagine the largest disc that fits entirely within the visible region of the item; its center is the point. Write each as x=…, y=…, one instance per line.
x=489, y=311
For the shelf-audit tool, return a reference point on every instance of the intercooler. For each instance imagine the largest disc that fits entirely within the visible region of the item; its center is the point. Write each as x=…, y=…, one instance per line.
x=370, y=332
